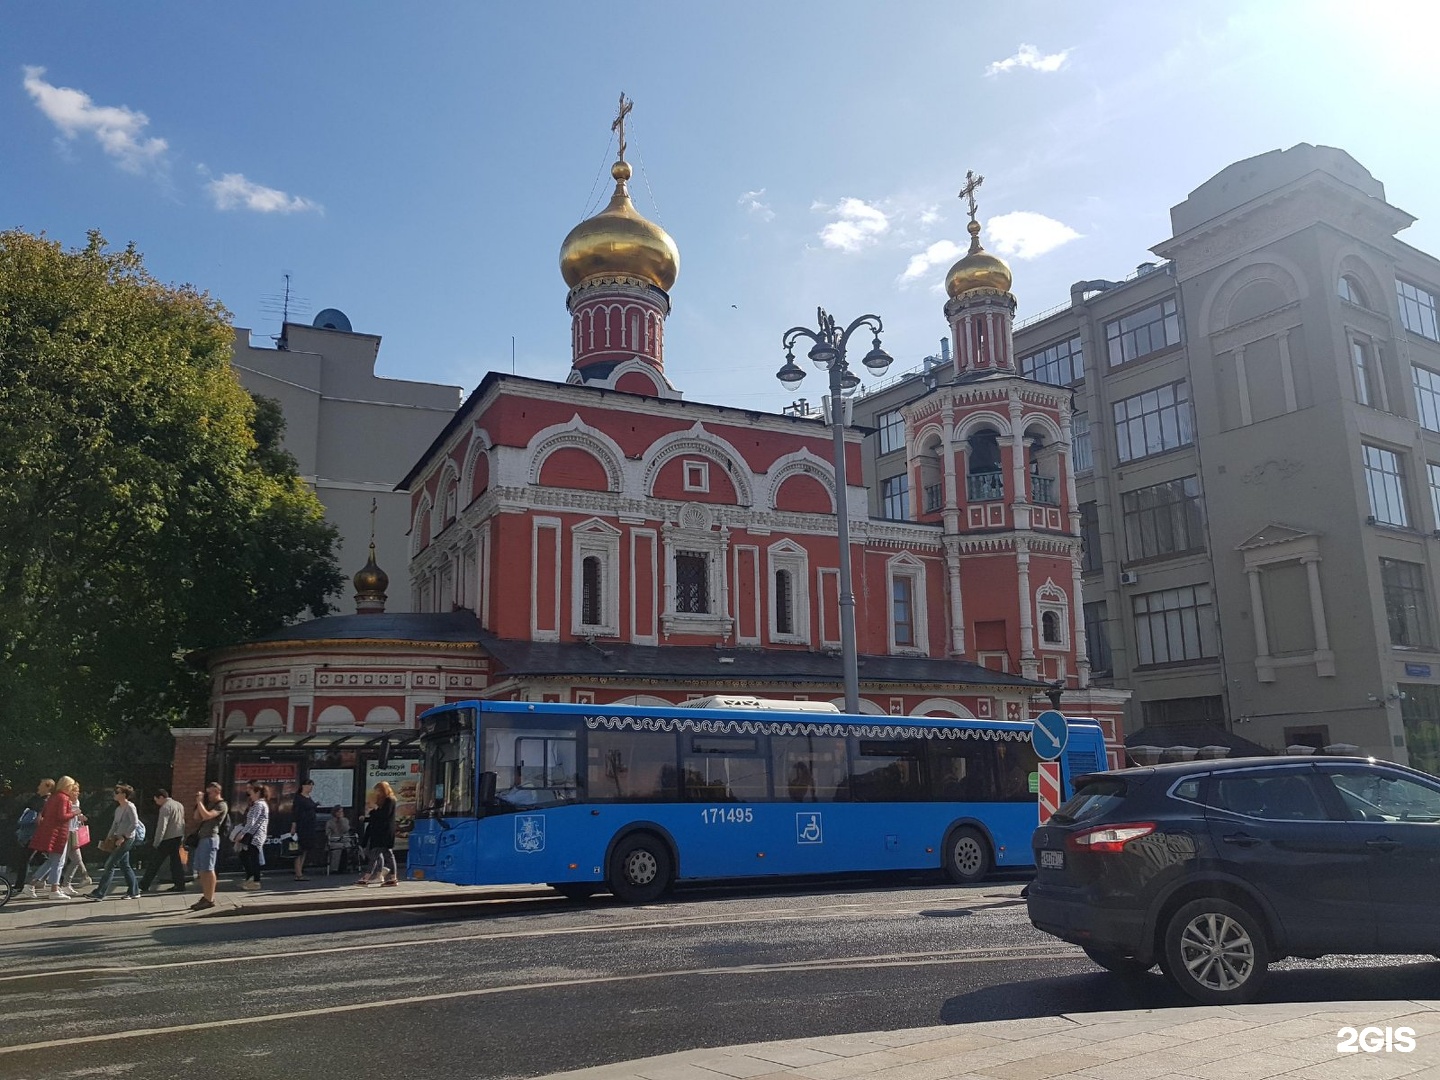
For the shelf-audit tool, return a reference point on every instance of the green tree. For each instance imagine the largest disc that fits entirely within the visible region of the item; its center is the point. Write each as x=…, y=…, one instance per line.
x=146, y=507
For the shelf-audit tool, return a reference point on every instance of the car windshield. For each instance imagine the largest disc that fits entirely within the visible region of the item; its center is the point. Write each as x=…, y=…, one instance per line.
x=1094, y=797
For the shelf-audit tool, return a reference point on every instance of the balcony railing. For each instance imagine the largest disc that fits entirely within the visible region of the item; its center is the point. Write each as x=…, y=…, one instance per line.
x=934, y=497
x=1042, y=490
x=985, y=487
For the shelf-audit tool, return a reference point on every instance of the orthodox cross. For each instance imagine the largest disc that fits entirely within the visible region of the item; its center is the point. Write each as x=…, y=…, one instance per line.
x=972, y=182
x=373, y=504
x=619, y=125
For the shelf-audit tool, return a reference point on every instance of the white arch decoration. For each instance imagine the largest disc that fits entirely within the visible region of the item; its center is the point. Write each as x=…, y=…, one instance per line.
x=1351, y=260
x=448, y=472
x=235, y=720
x=335, y=716
x=975, y=421
x=867, y=707
x=269, y=719
x=934, y=430
x=1268, y=266
x=801, y=463
x=1045, y=423
x=939, y=706
x=480, y=443
x=382, y=716
x=646, y=368
x=701, y=443
x=417, y=531
x=578, y=435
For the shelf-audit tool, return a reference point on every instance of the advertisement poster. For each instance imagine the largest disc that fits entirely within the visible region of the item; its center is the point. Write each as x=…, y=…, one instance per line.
x=333, y=787
x=279, y=776
x=404, y=777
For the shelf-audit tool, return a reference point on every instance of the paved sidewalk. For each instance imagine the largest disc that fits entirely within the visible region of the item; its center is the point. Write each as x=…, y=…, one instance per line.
x=1239, y=1042
x=280, y=895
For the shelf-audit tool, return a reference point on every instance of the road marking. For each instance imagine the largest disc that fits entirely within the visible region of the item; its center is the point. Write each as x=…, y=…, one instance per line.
x=884, y=961
x=855, y=911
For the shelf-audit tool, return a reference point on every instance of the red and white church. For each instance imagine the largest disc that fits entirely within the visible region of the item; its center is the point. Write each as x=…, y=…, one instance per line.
x=601, y=539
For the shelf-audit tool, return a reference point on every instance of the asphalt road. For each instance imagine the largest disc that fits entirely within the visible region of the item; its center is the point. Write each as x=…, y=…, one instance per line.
x=522, y=988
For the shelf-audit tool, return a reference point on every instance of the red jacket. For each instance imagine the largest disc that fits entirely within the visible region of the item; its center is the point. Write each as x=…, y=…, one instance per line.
x=52, y=831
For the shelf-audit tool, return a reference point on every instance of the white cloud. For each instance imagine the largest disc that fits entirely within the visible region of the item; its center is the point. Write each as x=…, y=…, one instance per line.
x=937, y=254
x=857, y=225
x=1028, y=56
x=233, y=192
x=1028, y=235
x=118, y=130
x=754, y=202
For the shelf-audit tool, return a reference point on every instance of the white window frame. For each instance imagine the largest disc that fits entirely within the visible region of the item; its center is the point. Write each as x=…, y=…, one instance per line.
x=714, y=545
x=696, y=476
x=1051, y=599
x=789, y=556
x=891, y=434
x=1082, y=445
x=601, y=540
x=1385, y=486
x=1417, y=309
x=907, y=566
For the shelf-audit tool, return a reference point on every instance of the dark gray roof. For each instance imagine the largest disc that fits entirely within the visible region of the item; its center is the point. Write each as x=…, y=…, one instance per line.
x=687, y=663
x=1196, y=735
x=449, y=626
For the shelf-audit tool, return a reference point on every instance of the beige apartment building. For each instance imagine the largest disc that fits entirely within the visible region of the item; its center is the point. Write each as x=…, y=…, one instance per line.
x=353, y=433
x=1256, y=440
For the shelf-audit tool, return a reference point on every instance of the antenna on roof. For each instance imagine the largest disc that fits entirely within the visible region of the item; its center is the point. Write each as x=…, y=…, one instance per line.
x=283, y=305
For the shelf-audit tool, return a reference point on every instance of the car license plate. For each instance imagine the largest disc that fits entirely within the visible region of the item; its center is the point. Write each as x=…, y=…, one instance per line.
x=1052, y=860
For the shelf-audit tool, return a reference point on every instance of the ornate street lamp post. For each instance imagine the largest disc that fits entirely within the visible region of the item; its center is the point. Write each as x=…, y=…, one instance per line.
x=828, y=352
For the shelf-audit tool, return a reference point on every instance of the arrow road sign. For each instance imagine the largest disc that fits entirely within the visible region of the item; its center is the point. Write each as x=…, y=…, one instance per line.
x=1049, y=735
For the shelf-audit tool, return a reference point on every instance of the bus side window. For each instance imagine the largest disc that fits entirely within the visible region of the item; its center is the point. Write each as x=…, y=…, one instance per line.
x=949, y=773
x=888, y=770
x=810, y=768
x=632, y=765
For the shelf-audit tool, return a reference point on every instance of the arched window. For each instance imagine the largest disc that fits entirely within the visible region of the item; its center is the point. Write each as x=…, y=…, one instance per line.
x=590, y=607
x=1050, y=628
x=984, y=482
x=1349, y=289
x=784, y=602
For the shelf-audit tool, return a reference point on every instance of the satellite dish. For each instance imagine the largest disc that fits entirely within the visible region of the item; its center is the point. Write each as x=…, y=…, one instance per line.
x=332, y=319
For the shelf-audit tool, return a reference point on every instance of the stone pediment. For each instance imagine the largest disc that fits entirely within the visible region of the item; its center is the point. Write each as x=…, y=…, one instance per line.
x=1274, y=534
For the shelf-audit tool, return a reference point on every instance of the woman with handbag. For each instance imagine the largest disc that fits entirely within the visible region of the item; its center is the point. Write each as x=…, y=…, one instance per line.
x=52, y=836
x=380, y=837
x=118, y=843
x=250, y=839
x=74, y=868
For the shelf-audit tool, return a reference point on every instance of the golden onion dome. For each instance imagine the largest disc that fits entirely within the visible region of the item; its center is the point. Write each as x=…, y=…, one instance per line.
x=370, y=580
x=978, y=269
x=619, y=241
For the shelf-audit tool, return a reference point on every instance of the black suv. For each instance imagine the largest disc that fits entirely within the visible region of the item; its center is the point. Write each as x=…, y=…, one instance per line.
x=1215, y=868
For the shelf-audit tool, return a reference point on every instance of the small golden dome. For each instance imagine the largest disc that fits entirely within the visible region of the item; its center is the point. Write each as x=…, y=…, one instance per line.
x=619, y=241
x=978, y=269
x=371, y=580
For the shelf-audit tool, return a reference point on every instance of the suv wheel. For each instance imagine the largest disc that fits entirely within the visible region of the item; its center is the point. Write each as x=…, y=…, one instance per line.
x=1117, y=962
x=1215, y=952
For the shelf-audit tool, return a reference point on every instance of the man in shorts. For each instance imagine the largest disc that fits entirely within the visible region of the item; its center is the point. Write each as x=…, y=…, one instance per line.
x=212, y=814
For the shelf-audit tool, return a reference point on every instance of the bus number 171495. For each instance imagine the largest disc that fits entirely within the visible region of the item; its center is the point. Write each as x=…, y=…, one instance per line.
x=719, y=815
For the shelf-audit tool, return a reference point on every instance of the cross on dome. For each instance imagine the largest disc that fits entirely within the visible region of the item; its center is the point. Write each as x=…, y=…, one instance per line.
x=972, y=183
x=619, y=124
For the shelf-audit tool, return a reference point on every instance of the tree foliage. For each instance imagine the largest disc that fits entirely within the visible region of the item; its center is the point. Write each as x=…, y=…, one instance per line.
x=146, y=507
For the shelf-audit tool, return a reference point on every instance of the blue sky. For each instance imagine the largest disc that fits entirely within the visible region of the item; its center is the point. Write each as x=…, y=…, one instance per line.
x=417, y=166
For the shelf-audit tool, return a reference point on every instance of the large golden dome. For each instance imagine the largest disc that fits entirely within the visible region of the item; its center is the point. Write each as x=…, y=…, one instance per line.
x=978, y=269
x=370, y=580
x=619, y=241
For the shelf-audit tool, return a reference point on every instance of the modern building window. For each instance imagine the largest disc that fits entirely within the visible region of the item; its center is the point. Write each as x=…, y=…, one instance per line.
x=1090, y=559
x=1407, y=606
x=1433, y=471
x=1169, y=714
x=1081, y=448
x=1097, y=638
x=902, y=610
x=1289, y=623
x=1153, y=422
x=692, y=583
x=1137, y=335
x=1427, y=397
x=1385, y=481
x=1349, y=290
x=784, y=602
x=892, y=431
x=590, y=584
x=1417, y=310
x=1163, y=519
x=1420, y=712
x=1061, y=364
x=895, y=497
x=1367, y=387
x=1174, y=625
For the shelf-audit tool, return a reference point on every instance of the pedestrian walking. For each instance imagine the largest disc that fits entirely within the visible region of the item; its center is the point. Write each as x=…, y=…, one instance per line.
x=27, y=860
x=250, y=837
x=305, y=825
x=51, y=837
x=211, y=813
x=119, y=842
x=337, y=828
x=169, y=832
x=73, y=872
x=380, y=838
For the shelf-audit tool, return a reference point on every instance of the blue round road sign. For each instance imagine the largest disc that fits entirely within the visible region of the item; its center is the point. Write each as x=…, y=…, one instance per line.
x=1050, y=734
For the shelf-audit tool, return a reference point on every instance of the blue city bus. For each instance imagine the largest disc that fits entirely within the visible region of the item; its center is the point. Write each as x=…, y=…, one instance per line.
x=631, y=799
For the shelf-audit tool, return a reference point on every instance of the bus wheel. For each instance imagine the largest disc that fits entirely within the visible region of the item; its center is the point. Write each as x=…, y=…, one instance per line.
x=967, y=856
x=639, y=869
x=575, y=890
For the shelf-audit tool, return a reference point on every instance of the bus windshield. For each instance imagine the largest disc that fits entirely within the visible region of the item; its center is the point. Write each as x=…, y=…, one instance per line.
x=447, y=782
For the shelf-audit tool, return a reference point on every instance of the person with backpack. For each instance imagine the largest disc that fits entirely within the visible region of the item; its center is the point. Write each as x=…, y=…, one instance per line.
x=125, y=832
x=25, y=824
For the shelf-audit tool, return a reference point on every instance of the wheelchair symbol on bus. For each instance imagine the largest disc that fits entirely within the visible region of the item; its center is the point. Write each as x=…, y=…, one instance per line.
x=530, y=833
x=807, y=829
